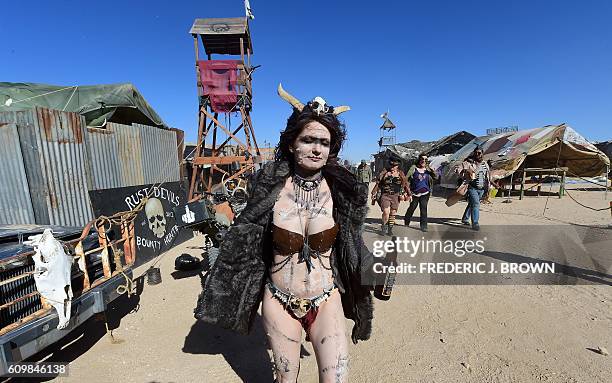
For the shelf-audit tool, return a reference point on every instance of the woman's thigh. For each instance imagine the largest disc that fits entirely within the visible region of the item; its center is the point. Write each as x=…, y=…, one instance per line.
x=285, y=337
x=328, y=337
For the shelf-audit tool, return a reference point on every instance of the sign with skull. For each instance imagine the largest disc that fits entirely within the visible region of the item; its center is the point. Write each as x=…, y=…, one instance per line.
x=155, y=227
x=156, y=217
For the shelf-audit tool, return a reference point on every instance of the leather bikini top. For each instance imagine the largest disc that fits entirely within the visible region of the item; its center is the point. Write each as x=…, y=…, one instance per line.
x=287, y=242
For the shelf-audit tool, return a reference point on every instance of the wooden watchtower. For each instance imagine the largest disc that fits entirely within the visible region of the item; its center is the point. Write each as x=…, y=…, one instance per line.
x=387, y=133
x=226, y=146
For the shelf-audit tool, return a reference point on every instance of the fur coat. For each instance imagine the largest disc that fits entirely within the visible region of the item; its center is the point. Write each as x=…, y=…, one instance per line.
x=234, y=289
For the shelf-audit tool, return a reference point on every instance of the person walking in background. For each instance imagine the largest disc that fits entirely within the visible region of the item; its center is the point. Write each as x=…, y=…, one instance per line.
x=364, y=172
x=393, y=187
x=475, y=171
x=420, y=179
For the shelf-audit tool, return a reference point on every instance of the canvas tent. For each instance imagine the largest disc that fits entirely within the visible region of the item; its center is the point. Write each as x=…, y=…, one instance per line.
x=99, y=104
x=407, y=152
x=547, y=147
x=606, y=147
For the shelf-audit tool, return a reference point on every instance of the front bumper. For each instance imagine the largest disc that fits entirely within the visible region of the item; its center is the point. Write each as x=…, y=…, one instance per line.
x=40, y=333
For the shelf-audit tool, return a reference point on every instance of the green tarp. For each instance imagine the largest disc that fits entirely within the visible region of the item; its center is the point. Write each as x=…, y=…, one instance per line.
x=99, y=104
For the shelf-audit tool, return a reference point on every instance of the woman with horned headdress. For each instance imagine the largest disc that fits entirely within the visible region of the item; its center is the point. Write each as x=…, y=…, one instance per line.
x=297, y=249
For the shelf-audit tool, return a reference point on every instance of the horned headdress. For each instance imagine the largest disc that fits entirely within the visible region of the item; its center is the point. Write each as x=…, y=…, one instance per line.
x=317, y=105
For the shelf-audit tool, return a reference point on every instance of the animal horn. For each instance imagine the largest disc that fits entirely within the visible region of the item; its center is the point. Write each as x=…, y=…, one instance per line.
x=341, y=109
x=289, y=98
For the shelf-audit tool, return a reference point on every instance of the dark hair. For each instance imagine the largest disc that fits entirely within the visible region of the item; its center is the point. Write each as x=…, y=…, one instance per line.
x=297, y=121
x=420, y=157
x=391, y=160
x=472, y=155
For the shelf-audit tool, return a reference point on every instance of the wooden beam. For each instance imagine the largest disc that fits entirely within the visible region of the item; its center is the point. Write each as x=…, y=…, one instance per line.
x=106, y=267
x=225, y=129
x=82, y=262
x=223, y=160
x=211, y=171
x=250, y=125
x=237, y=174
x=522, y=185
x=129, y=246
x=198, y=150
x=242, y=49
x=229, y=138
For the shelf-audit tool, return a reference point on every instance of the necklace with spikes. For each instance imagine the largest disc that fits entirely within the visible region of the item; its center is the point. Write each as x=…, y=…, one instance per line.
x=307, y=191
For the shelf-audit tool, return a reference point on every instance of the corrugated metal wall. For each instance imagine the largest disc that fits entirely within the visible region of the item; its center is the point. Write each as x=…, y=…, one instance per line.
x=15, y=203
x=102, y=148
x=129, y=153
x=124, y=155
x=159, y=154
x=62, y=160
x=57, y=168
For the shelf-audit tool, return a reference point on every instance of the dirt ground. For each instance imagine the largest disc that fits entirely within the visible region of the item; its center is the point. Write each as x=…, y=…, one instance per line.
x=426, y=333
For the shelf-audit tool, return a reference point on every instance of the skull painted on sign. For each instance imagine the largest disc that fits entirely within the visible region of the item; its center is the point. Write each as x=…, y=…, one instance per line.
x=156, y=217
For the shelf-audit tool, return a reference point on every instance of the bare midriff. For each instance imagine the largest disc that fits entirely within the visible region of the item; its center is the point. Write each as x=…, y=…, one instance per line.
x=294, y=276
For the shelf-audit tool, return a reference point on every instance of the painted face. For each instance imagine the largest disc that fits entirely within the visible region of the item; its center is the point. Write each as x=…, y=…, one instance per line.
x=311, y=147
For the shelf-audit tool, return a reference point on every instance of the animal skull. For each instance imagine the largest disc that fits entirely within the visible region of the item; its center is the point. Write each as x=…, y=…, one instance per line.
x=52, y=274
x=156, y=217
x=318, y=105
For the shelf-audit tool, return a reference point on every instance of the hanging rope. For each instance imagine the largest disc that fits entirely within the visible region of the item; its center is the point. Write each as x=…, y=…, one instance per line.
x=566, y=192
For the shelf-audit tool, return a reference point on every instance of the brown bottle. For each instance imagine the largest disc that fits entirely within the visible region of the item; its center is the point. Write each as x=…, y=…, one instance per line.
x=383, y=290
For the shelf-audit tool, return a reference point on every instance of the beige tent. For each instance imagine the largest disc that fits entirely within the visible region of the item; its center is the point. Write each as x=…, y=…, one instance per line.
x=547, y=147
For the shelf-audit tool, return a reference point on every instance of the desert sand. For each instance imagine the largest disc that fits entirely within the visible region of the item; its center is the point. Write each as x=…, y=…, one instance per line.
x=424, y=333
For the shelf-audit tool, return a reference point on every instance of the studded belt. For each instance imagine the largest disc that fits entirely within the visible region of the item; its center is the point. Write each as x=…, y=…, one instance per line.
x=299, y=306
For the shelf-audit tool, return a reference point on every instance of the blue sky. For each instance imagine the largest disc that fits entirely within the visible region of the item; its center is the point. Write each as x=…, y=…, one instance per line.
x=438, y=66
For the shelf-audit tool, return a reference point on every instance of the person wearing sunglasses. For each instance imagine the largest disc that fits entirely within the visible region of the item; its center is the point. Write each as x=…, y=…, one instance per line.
x=475, y=170
x=420, y=178
x=391, y=188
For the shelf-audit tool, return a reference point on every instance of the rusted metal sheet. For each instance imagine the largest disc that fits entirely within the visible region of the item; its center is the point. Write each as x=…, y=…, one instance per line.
x=159, y=154
x=102, y=149
x=15, y=202
x=129, y=153
x=21, y=118
x=123, y=155
x=53, y=160
x=57, y=167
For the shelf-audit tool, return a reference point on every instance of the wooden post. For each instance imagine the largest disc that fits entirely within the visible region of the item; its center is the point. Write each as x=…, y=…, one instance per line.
x=562, y=186
x=129, y=248
x=242, y=50
x=195, y=170
x=211, y=170
x=512, y=184
x=523, y=185
x=106, y=267
x=197, y=58
x=606, y=181
x=250, y=126
x=82, y=262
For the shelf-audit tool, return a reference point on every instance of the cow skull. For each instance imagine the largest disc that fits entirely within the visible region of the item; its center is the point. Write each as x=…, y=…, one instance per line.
x=52, y=274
